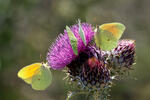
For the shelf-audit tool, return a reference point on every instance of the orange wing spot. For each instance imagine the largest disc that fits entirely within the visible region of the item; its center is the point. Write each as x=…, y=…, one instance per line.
x=111, y=28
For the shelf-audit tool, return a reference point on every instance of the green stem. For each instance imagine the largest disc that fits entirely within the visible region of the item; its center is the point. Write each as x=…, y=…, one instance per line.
x=70, y=95
x=95, y=95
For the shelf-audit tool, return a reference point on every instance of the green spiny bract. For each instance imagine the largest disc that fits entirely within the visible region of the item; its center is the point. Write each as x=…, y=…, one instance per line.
x=89, y=70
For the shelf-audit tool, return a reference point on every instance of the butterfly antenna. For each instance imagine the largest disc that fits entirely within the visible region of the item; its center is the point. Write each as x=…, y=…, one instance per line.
x=41, y=58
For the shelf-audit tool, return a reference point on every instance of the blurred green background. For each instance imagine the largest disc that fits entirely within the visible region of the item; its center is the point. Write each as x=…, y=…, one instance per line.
x=28, y=28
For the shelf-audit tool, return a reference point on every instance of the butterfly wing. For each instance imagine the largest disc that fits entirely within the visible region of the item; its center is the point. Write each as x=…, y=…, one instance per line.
x=73, y=40
x=42, y=80
x=108, y=35
x=81, y=33
x=26, y=73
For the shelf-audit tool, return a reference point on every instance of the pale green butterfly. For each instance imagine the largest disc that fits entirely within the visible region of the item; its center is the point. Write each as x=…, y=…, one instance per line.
x=81, y=32
x=107, y=35
x=38, y=75
x=73, y=40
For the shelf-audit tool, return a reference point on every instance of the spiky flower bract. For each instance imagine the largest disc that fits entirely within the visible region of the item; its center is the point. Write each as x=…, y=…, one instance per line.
x=89, y=69
x=61, y=54
x=123, y=55
x=93, y=68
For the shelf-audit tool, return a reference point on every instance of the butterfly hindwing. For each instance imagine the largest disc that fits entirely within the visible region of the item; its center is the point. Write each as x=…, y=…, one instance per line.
x=42, y=80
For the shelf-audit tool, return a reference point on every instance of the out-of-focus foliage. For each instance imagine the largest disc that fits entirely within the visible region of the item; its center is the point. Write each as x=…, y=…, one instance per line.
x=28, y=27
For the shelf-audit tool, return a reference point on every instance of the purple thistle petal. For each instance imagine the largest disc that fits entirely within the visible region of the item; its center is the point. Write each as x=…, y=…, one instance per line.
x=61, y=54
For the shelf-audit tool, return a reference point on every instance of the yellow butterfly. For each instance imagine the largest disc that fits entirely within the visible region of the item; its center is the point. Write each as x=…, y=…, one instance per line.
x=107, y=35
x=37, y=74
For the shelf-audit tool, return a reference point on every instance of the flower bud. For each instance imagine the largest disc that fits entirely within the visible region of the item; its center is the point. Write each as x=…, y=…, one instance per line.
x=123, y=55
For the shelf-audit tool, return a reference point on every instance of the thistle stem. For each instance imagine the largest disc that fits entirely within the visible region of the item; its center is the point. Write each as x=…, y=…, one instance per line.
x=71, y=94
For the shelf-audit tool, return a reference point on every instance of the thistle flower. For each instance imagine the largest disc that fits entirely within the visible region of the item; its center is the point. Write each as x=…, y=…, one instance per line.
x=88, y=65
x=123, y=55
x=92, y=66
x=89, y=69
x=61, y=54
